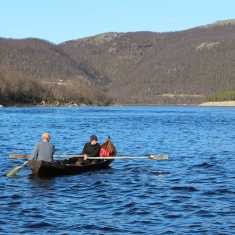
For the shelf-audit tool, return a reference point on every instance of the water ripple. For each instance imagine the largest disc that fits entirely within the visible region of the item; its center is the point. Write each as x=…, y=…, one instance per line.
x=192, y=193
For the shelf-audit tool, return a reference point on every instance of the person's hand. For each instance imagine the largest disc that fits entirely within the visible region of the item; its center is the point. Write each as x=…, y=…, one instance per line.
x=85, y=157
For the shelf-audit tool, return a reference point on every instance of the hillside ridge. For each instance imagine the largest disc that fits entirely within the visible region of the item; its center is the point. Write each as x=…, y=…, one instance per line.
x=129, y=68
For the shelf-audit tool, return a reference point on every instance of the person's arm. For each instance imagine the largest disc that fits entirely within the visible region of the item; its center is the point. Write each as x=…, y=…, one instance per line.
x=84, y=151
x=98, y=151
x=53, y=151
x=35, y=153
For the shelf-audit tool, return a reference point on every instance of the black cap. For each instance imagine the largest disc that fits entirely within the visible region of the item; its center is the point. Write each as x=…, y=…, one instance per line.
x=93, y=137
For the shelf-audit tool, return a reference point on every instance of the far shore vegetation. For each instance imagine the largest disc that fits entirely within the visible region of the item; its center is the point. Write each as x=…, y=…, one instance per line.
x=18, y=90
x=228, y=95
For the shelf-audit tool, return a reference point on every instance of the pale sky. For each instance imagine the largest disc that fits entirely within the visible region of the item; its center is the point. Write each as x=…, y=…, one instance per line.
x=61, y=20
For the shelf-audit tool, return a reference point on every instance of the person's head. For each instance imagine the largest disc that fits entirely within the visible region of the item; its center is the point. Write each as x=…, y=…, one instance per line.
x=46, y=137
x=108, y=145
x=93, y=139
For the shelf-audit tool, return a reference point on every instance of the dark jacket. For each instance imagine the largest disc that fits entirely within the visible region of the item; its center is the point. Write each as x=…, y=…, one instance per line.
x=44, y=151
x=91, y=150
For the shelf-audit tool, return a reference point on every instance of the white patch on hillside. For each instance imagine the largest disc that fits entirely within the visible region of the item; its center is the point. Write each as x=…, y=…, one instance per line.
x=207, y=45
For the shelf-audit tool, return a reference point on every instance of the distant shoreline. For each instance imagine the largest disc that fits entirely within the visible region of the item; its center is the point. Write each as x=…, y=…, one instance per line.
x=229, y=103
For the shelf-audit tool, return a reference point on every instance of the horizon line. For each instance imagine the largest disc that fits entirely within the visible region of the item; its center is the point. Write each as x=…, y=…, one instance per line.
x=225, y=21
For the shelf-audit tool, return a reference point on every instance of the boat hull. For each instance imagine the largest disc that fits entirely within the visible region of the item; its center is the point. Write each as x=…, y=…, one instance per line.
x=66, y=167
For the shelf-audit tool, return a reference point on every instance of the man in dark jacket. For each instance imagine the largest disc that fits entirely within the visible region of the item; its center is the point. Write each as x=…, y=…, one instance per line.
x=44, y=150
x=91, y=149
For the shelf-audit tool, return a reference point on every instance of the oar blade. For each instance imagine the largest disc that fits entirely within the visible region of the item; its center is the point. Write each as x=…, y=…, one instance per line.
x=160, y=157
x=14, y=171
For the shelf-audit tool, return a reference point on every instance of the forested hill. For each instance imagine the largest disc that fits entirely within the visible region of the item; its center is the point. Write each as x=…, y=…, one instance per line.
x=35, y=71
x=147, y=67
x=138, y=67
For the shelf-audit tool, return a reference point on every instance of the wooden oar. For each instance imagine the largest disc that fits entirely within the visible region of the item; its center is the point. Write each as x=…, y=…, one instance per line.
x=15, y=170
x=24, y=156
x=151, y=157
x=20, y=156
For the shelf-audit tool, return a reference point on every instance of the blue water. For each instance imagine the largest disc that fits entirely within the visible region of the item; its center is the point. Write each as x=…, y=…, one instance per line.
x=192, y=193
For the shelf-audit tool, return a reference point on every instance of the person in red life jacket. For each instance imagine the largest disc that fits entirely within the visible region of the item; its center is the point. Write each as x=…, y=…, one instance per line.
x=107, y=149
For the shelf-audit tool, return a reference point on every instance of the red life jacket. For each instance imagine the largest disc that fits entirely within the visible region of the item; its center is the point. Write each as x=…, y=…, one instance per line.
x=104, y=152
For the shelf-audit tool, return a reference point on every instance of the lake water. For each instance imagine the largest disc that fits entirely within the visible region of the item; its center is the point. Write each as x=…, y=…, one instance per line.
x=192, y=193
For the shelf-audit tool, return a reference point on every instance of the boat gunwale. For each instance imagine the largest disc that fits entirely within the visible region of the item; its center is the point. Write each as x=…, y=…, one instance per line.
x=57, y=168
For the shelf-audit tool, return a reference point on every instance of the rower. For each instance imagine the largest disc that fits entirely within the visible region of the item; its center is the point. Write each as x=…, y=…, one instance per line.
x=44, y=150
x=92, y=148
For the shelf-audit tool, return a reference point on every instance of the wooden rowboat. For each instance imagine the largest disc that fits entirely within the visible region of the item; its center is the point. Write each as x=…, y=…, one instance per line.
x=71, y=166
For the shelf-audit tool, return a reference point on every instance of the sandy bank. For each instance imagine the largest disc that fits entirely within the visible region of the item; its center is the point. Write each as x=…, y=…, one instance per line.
x=229, y=103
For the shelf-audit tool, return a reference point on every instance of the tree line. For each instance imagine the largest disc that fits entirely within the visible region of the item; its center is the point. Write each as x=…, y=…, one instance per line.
x=18, y=89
